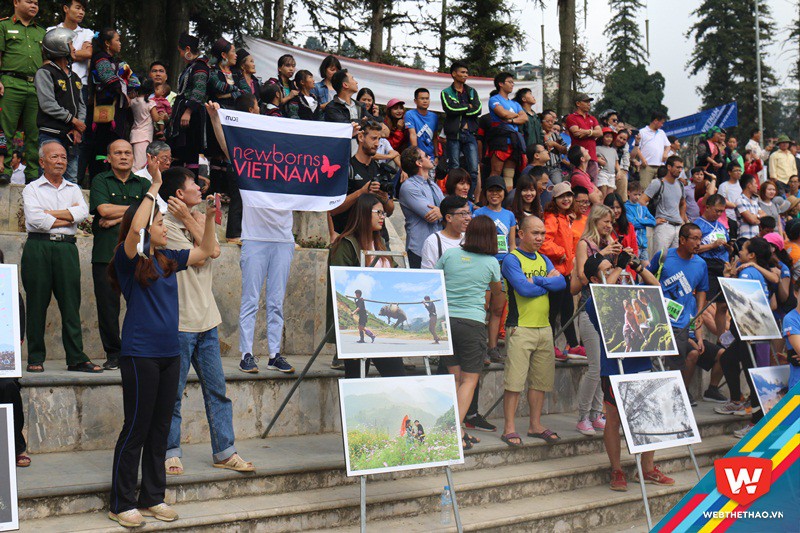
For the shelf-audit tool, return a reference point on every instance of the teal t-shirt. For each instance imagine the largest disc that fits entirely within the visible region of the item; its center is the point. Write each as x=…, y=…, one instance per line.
x=466, y=277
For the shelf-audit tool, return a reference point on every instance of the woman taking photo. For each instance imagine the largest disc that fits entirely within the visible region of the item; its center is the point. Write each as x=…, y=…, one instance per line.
x=363, y=233
x=623, y=231
x=468, y=271
x=323, y=89
x=367, y=97
x=150, y=358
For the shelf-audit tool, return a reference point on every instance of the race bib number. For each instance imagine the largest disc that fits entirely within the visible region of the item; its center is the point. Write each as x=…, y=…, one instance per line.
x=502, y=244
x=674, y=309
x=717, y=236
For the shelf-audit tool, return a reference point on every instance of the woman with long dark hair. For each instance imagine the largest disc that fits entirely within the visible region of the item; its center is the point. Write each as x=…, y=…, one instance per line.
x=624, y=232
x=363, y=233
x=307, y=105
x=526, y=201
x=225, y=85
x=367, y=97
x=323, y=89
x=143, y=271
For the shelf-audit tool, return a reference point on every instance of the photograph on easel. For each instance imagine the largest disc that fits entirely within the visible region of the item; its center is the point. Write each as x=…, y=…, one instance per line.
x=749, y=309
x=404, y=423
x=9, y=513
x=655, y=411
x=10, y=348
x=634, y=320
x=771, y=384
x=390, y=312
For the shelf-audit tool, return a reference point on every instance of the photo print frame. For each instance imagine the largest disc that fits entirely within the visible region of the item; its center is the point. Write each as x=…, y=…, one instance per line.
x=10, y=346
x=749, y=309
x=9, y=509
x=771, y=384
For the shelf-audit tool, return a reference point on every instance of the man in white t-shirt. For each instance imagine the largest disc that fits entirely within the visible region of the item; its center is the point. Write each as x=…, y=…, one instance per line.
x=456, y=216
x=654, y=147
x=74, y=11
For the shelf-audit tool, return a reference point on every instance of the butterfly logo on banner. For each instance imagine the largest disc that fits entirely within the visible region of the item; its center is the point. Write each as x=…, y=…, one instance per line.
x=327, y=168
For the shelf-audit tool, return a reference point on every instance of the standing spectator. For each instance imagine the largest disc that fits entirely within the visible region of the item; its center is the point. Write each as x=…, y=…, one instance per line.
x=150, y=363
x=555, y=145
x=531, y=280
x=767, y=204
x=21, y=56
x=654, y=147
x=714, y=251
x=395, y=121
x=583, y=131
x=748, y=211
x=531, y=130
x=693, y=190
x=307, y=104
x=419, y=199
x=223, y=86
x=17, y=168
x=624, y=158
x=343, y=108
x=158, y=73
x=782, y=163
x=525, y=201
x=609, y=162
x=506, y=145
x=753, y=165
x=754, y=146
x=710, y=153
x=286, y=68
x=246, y=69
x=198, y=319
x=455, y=219
x=667, y=203
x=163, y=156
x=640, y=217
x=187, y=130
x=422, y=125
x=62, y=111
x=145, y=117
x=324, y=89
x=730, y=152
x=468, y=271
x=113, y=192
x=579, y=159
x=462, y=106
x=53, y=209
x=731, y=191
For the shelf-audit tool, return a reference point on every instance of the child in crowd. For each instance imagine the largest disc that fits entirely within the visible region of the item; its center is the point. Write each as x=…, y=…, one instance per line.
x=607, y=175
x=145, y=116
x=640, y=217
x=163, y=107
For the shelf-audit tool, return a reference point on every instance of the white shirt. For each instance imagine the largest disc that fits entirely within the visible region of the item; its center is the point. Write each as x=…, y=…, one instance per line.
x=18, y=175
x=731, y=192
x=162, y=205
x=652, y=145
x=41, y=195
x=430, y=248
x=267, y=225
x=82, y=35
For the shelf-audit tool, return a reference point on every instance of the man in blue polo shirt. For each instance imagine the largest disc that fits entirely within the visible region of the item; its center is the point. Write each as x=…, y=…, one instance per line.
x=714, y=251
x=422, y=124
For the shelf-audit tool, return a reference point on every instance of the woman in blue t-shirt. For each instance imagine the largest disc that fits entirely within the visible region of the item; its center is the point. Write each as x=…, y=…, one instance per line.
x=149, y=361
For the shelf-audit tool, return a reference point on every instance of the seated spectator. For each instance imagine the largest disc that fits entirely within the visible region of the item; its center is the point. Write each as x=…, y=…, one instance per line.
x=395, y=121
x=580, y=212
x=766, y=226
x=419, y=199
x=768, y=203
x=504, y=219
x=270, y=100
x=526, y=200
x=578, y=157
x=455, y=219
x=624, y=231
x=529, y=361
x=62, y=111
x=53, y=209
x=458, y=183
x=367, y=97
x=324, y=89
x=748, y=211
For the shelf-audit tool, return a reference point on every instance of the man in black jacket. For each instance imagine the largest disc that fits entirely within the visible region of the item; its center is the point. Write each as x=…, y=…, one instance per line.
x=462, y=106
x=343, y=108
x=62, y=111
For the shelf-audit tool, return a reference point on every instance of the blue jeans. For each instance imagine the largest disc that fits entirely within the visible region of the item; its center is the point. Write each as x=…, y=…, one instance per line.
x=201, y=350
x=467, y=146
x=72, y=155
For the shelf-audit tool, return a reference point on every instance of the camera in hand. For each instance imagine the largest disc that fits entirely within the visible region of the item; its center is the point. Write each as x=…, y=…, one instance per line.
x=623, y=259
x=385, y=178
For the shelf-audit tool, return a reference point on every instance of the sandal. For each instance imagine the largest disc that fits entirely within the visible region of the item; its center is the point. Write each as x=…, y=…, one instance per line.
x=23, y=460
x=173, y=463
x=473, y=439
x=550, y=437
x=236, y=464
x=508, y=439
x=86, y=366
x=467, y=443
x=35, y=368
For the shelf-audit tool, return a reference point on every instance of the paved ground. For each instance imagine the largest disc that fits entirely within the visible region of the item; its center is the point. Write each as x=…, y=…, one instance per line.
x=389, y=345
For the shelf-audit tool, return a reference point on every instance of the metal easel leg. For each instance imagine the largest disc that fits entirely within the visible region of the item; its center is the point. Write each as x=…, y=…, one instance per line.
x=644, y=491
x=449, y=473
x=363, y=504
x=427, y=365
x=694, y=462
x=752, y=356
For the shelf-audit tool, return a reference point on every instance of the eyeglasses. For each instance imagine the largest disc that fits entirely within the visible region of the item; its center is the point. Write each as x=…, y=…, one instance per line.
x=583, y=201
x=461, y=213
x=379, y=212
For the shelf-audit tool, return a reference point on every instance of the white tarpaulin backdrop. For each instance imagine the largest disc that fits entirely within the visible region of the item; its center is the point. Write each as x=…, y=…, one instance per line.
x=386, y=81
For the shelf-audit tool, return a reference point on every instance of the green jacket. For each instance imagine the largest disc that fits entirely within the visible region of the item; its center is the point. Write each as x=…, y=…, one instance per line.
x=107, y=189
x=456, y=114
x=20, y=46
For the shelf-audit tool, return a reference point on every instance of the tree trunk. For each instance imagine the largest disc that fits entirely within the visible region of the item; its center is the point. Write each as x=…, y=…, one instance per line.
x=178, y=16
x=277, y=33
x=566, y=57
x=152, y=33
x=266, y=30
x=376, y=29
x=443, y=39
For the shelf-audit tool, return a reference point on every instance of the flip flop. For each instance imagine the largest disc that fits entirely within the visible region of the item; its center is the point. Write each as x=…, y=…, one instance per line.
x=237, y=464
x=34, y=368
x=23, y=460
x=86, y=366
x=548, y=436
x=466, y=443
x=507, y=439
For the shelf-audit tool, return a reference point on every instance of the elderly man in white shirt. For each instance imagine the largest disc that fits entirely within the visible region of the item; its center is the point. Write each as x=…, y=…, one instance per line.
x=53, y=209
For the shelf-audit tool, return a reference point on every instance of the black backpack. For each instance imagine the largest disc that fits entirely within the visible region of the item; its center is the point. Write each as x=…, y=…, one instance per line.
x=653, y=203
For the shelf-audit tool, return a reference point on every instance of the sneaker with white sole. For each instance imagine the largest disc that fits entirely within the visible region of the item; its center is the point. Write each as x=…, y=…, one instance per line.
x=279, y=364
x=130, y=518
x=739, y=433
x=162, y=512
x=248, y=364
x=585, y=427
x=479, y=423
x=747, y=409
x=713, y=394
x=599, y=423
x=729, y=408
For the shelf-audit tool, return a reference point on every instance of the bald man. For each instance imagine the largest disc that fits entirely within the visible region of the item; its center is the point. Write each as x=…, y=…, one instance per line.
x=113, y=191
x=531, y=277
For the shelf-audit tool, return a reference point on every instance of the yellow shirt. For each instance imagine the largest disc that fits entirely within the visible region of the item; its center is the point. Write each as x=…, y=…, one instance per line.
x=782, y=165
x=533, y=312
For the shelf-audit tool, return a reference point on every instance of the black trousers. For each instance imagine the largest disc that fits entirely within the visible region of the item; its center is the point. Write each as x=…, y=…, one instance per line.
x=414, y=260
x=734, y=360
x=9, y=393
x=388, y=367
x=234, y=227
x=107, y=310
x=561, y=305
x=149, y=390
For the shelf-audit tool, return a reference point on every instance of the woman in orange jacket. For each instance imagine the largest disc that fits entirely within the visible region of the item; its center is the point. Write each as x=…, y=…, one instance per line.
x=559, y=247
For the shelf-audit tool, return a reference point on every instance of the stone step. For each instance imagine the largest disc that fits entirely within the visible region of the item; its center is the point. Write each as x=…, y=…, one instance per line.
x=79, y=482
x=73, y=411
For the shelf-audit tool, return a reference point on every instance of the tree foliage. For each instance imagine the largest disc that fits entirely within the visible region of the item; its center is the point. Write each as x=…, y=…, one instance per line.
x=634, y=93
x=624, y=38
x=488, y=33
x=725, y=49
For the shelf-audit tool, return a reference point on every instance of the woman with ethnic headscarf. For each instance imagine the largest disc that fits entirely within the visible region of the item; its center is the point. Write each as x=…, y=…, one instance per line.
x=246, y=69
x=225, y=86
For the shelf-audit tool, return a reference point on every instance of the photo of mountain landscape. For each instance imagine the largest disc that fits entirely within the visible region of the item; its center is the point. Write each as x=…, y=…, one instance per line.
x=771, y=384
x=404, y=423
x=749, y=309
x=10, y=350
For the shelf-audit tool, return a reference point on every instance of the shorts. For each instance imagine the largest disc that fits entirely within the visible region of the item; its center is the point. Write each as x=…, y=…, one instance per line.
x=715, y=271
x=608, y=180
x=530, y=360
x=502, y=155
x=678, y=362
x=707, y=359
x=608, y=392
x=470, y=343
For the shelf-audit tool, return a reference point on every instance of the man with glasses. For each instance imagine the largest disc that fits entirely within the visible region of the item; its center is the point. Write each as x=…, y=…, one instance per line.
x=113, y=191
x=420, y=199
x=714, y=250
x=163, y=155
x=455, y=219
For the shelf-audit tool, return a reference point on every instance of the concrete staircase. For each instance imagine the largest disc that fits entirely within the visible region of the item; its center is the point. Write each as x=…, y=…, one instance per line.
x=300, y=483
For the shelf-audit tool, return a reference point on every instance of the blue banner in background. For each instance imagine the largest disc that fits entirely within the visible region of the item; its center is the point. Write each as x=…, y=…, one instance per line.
x=724, y=116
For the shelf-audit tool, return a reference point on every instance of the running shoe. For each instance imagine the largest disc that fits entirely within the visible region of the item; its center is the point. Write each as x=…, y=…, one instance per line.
x=657, y=477
x=747, y=409
x=479, y=423
x=578, y=351
x=279, y=364
x=713, y=394
x=739, y=433
x=585, y=427
x=729, y=408
x=618, y=481
x=560, y=356
x=248, y=364
x=599, y=423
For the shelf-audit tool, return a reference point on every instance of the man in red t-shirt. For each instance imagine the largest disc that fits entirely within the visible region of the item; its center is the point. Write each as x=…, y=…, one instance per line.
x=578, y=157
x=584, y=129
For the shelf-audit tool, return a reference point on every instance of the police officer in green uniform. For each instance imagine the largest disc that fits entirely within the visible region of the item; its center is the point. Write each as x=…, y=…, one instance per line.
x=20, y=58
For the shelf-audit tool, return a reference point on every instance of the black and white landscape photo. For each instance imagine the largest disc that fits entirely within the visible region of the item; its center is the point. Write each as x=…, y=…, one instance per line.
x=10, y=349
x=749, y=309
x=9, y=514
x=655, y=411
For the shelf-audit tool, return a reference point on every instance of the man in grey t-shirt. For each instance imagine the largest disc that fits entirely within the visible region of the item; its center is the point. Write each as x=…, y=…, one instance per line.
x=671, y=206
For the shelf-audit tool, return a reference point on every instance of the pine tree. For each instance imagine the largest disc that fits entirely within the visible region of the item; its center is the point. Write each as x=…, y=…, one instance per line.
x=725, y=50
x=488, y=31
x=624, y=38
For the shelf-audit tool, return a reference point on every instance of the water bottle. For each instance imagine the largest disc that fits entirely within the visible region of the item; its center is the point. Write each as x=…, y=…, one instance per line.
x=447, y=504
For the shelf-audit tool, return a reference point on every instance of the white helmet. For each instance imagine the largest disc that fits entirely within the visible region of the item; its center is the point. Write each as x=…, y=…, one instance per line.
x=56, y=43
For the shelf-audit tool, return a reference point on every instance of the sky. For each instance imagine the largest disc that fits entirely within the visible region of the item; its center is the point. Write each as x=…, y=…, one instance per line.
x=670, y=49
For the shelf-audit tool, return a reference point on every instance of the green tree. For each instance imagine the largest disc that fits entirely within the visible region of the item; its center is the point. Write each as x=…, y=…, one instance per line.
x=624, y=38
x=488, y=32
x=634, y=93
x=725, y=49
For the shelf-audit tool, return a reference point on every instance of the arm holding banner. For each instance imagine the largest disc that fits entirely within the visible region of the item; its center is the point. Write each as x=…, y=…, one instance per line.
x=213, y=116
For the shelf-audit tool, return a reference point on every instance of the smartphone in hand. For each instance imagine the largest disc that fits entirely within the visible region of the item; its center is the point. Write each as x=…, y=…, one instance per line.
x=218, y=206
